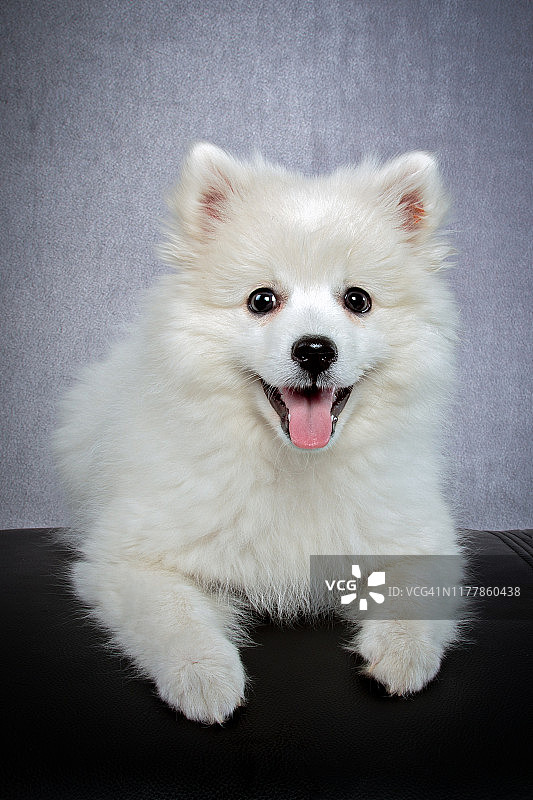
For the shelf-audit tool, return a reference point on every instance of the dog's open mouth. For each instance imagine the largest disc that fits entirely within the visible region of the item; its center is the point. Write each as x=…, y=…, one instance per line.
x=308, y=416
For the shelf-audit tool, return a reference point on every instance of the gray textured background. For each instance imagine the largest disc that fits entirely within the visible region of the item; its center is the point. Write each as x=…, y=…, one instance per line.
x=101, y=99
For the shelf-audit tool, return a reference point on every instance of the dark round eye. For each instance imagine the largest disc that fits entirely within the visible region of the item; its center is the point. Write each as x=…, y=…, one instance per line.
x=357, y=300
x=262, y=301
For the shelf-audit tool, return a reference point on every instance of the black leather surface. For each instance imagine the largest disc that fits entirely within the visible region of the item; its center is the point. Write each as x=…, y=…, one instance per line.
x=78, y=723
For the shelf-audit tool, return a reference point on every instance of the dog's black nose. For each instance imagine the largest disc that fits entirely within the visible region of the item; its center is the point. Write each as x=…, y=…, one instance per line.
x=314, y=353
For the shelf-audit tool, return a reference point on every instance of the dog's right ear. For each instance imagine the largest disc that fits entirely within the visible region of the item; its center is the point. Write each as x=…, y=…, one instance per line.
x=211, y=180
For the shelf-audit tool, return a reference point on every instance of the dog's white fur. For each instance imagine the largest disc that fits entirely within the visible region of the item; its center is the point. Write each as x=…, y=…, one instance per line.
x=185, y=490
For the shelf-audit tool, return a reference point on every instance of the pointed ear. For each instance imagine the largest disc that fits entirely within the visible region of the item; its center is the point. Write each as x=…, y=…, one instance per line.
x=209, y=182
x=412, y=188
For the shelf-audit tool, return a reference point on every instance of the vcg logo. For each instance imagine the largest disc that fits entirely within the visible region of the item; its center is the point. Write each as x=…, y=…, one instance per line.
x=350, y=585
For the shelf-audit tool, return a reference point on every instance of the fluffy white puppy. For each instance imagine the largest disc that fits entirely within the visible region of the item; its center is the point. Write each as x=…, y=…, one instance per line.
x=281, y=396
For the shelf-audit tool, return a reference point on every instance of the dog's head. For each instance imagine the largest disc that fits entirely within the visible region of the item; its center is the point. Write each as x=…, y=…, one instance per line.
x=313, y=297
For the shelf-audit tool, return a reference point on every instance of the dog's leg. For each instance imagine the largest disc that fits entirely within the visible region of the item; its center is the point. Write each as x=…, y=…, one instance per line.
x=176, y=634
x=405, y=653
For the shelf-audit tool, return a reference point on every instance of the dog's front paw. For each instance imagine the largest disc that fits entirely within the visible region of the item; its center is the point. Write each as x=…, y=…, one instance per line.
x=206, y=687
x=403, y=655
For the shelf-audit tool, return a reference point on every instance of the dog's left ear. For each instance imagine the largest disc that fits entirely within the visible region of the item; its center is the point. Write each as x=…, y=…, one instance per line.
x=412, y=189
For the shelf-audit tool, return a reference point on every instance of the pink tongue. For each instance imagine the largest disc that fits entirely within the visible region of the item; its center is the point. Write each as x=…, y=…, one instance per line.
x=310, y=417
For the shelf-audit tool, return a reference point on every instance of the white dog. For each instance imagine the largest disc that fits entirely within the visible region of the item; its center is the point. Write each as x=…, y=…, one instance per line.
x=280, y=397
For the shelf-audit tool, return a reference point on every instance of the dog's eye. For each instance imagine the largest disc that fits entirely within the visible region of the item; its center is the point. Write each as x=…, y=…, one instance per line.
x=357, y=300
x=261, y=301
